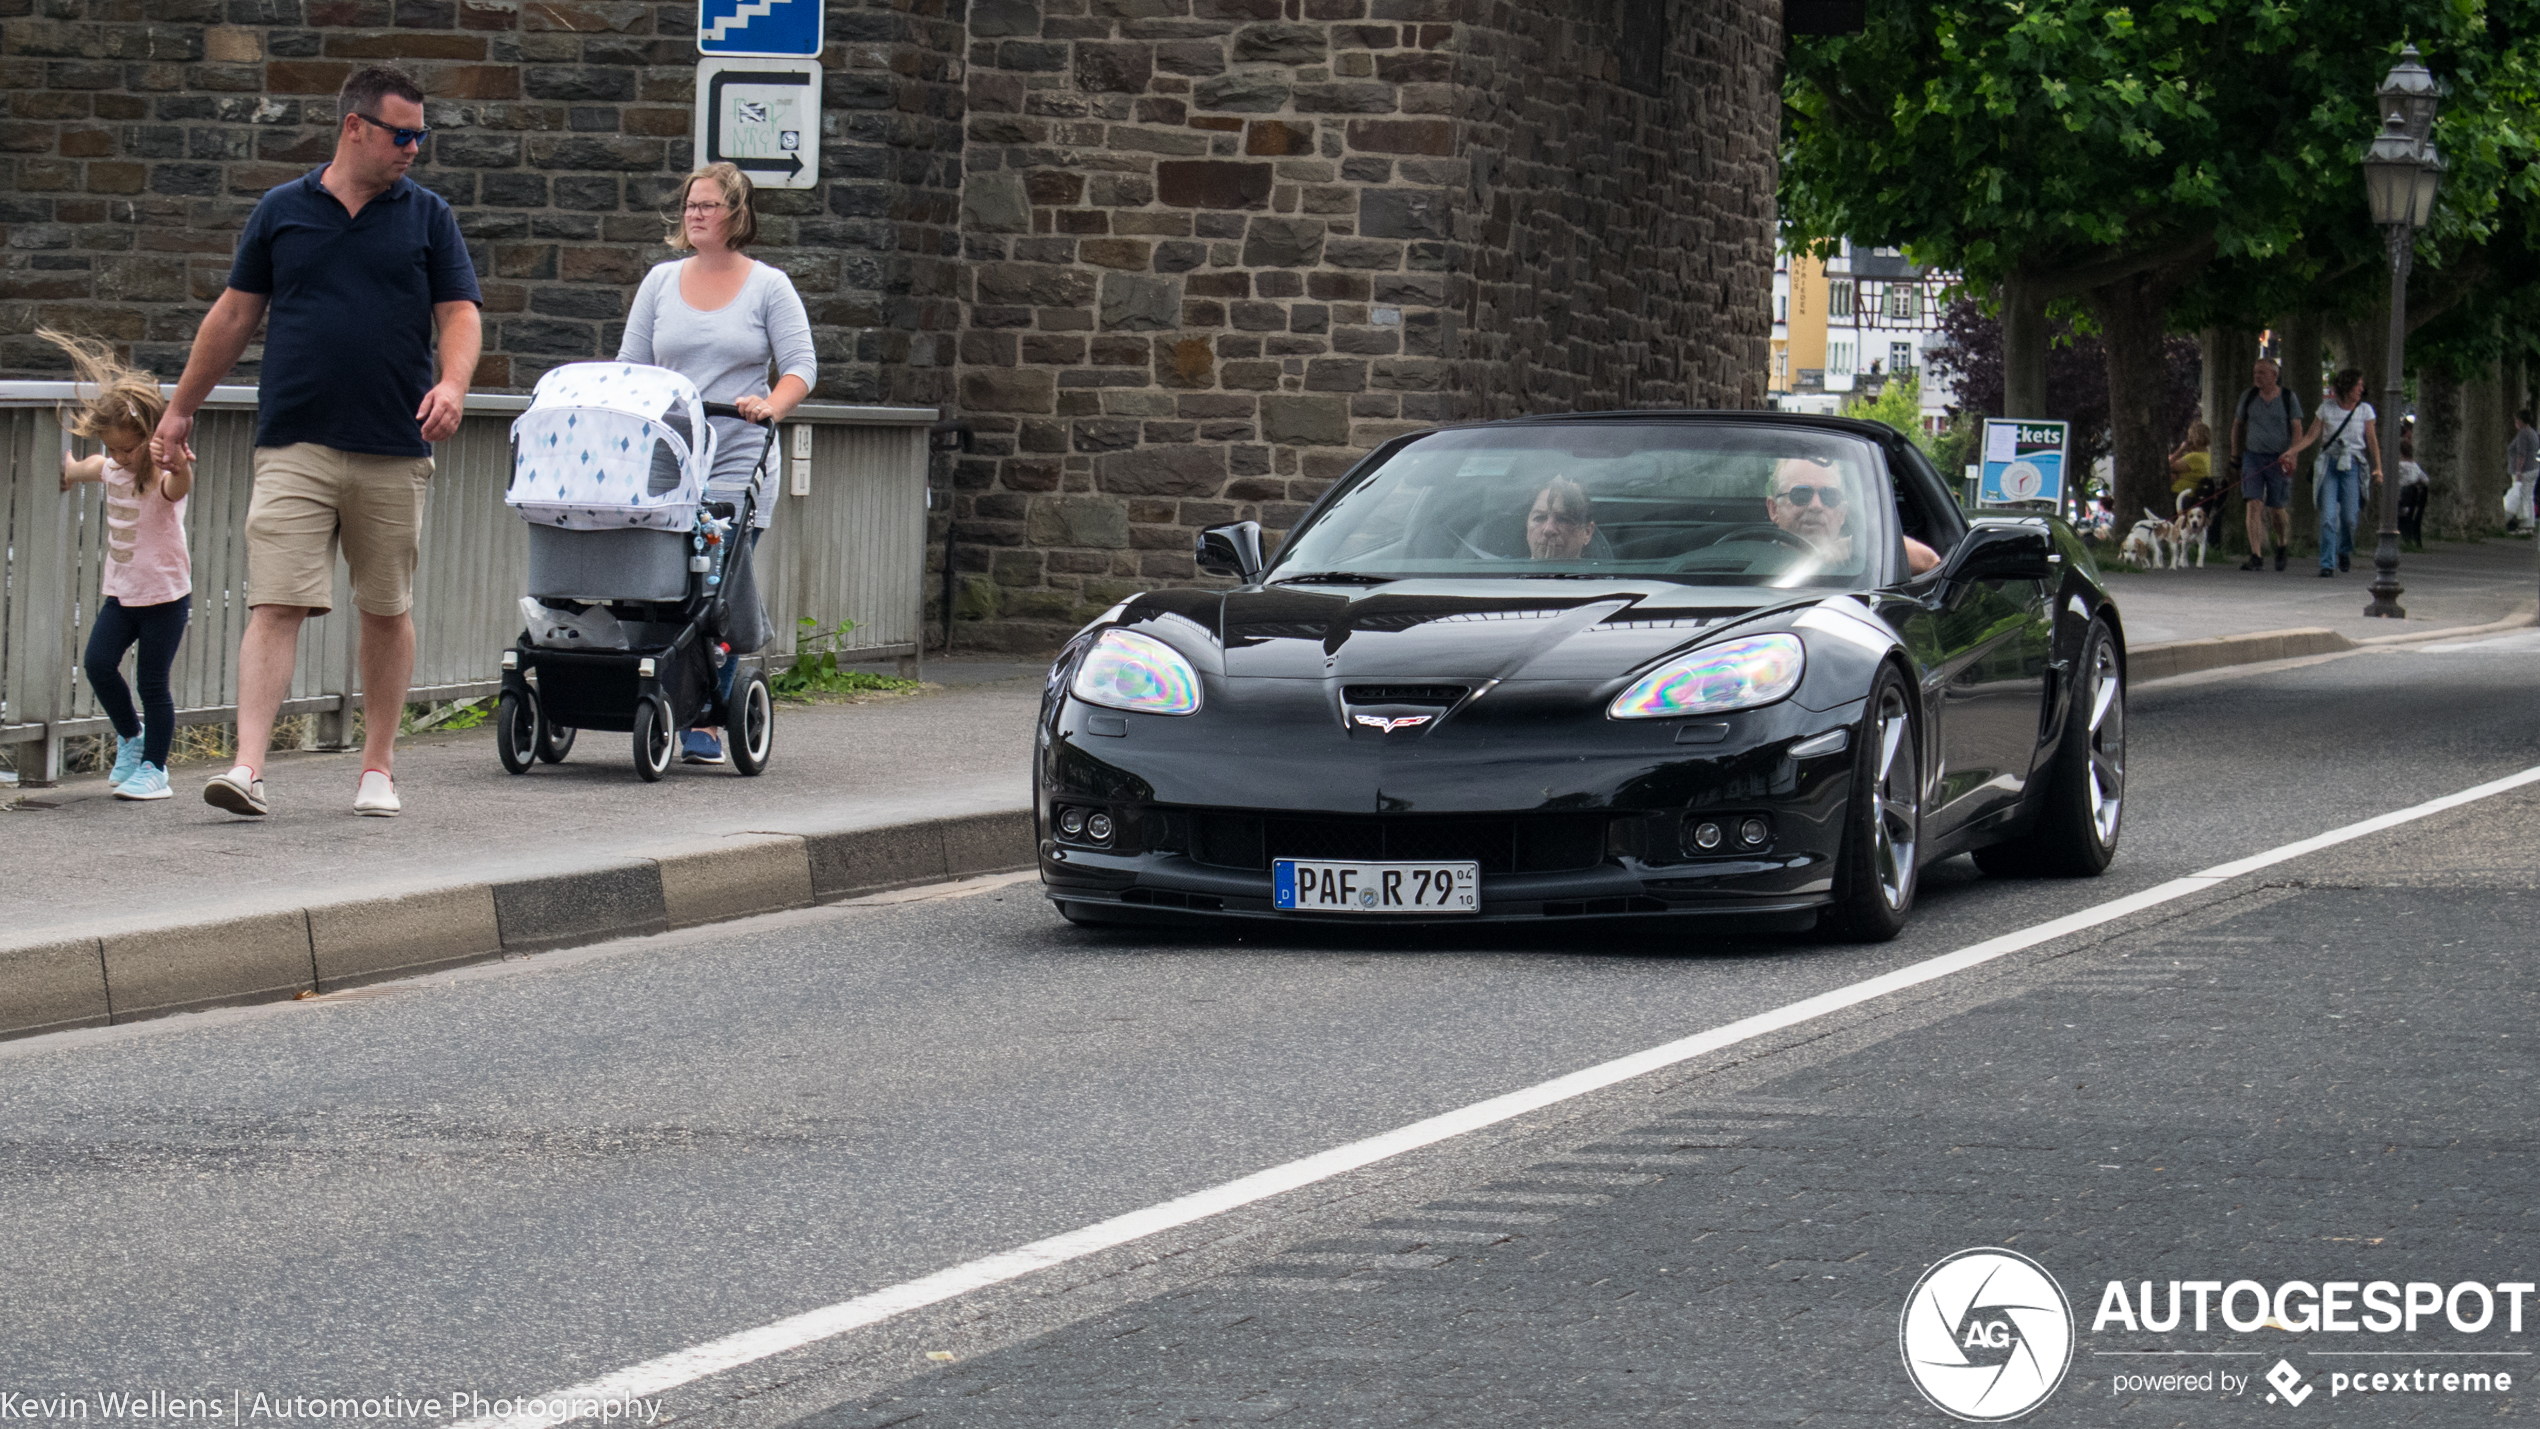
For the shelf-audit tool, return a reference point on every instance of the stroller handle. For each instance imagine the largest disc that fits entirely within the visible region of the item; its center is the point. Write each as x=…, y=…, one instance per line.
x=726, y=409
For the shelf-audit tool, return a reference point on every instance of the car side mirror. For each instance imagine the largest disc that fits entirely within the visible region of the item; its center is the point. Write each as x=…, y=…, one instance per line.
x=1232, y=550
x=2002, y=553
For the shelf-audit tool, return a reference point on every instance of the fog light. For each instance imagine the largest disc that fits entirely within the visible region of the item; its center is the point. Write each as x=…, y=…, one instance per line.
x=1099, y=828
x=1753, y=832
x=1706, y=837
x=1071, y=821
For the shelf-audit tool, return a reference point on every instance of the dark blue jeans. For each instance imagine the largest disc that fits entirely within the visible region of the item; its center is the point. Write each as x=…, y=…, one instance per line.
x=156, y=629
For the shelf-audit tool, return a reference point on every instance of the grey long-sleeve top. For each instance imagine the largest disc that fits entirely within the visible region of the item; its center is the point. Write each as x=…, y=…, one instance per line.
x=726, y=352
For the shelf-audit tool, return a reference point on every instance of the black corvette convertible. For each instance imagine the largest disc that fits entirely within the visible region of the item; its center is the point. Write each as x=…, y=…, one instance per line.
x=1733, y=664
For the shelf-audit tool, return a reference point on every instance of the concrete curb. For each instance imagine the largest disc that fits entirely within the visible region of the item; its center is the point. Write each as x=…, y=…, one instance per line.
x=2172, y=658
x=2146, y=663
x=56, y=980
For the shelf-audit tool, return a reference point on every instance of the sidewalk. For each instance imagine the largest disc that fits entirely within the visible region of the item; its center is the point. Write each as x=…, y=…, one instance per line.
x=893, y=760
x=2452, y=583
x=118, y=912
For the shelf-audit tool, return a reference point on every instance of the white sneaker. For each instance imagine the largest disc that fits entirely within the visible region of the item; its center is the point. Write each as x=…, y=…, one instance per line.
x=377, y=795
x=239, y=791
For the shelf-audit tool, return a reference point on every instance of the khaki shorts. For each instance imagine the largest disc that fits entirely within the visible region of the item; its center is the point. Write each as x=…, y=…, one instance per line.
x=309, y=500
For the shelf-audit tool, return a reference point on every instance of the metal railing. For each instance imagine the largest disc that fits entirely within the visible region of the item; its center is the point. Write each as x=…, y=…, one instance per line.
x=848, y=543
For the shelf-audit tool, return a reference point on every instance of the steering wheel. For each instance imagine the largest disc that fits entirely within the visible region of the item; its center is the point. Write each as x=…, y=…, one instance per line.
x=1750, y=531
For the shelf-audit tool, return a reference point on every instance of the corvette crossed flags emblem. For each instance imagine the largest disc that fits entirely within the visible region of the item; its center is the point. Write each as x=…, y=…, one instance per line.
x=1382, y=725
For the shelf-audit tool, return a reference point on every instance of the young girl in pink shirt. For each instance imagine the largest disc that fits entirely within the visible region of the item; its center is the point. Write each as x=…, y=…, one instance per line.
x=149, y=580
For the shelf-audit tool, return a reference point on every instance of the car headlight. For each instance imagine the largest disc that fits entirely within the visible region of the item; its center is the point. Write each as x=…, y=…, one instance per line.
x=1733, y=675
x=1129, y=671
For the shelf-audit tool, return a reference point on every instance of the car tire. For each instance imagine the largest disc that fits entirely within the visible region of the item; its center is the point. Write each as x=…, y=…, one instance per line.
x=2082, y=814
x=1877, y=873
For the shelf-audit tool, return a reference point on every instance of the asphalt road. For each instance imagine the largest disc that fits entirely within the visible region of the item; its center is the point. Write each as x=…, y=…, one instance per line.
x=524, y=1176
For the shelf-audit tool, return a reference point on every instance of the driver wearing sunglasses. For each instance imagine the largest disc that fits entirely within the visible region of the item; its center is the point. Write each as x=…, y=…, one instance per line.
x=1810, y=499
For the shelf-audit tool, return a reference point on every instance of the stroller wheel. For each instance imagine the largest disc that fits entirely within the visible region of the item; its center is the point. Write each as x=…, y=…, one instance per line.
x=516, y=731
x=656, y=743
x=555, y=741
x=753, y=727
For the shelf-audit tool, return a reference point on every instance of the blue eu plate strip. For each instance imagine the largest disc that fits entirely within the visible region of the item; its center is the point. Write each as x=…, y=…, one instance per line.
x=1283, y=884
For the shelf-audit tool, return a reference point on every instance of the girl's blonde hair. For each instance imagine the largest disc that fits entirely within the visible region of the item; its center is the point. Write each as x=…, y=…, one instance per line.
x=740, y=222
x=127, y=400
x=2198, y=434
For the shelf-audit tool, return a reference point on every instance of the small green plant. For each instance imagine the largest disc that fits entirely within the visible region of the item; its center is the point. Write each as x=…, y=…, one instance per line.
x=815, y=671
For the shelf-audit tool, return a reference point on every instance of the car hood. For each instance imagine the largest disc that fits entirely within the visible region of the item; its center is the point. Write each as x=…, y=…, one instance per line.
x=1467, y=630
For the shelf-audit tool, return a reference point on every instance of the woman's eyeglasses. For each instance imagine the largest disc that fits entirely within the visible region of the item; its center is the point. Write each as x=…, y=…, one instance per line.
x=1826, y=496
x=703, y=208
x=400, y=137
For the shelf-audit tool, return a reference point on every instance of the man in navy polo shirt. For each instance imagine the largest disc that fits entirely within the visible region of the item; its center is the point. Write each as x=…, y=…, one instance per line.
x=359, y=269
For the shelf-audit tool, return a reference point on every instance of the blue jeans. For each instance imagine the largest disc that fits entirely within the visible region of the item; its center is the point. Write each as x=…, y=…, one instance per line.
x=2341, y=483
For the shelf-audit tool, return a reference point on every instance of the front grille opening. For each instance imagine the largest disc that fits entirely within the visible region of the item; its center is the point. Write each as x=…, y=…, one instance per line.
x=1168, y=898
x=1500, y=843
x=1603, y=907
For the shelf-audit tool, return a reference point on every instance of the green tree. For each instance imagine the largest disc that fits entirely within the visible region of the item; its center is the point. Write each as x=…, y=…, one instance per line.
x=2070, y=151
x=1900, y=405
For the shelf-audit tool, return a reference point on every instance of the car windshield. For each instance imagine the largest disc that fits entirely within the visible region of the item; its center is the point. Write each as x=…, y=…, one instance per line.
x=1707, y=503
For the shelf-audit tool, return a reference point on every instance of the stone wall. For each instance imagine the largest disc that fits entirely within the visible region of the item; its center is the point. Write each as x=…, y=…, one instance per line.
x=1176, y=261
x=1220, y=248
x=139, y=133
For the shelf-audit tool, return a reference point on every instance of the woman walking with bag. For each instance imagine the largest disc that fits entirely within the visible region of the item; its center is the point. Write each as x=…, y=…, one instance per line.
x=2351, y=443
x=723, y=320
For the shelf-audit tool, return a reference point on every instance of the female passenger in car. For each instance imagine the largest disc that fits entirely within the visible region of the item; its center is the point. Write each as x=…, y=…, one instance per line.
x=1560, y=523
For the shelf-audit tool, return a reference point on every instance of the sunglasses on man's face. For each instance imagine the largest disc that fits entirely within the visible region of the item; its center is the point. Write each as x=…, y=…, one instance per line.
x=401, y=137
x=1826, y=496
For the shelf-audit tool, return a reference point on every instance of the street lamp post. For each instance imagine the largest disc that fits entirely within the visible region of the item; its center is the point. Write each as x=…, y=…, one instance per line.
x=2401, y=172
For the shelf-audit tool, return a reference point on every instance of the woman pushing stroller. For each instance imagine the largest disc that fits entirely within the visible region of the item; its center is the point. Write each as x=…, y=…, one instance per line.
x=723, y=320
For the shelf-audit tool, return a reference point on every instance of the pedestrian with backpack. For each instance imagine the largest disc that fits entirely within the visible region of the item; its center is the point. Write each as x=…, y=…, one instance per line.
x=2352, y=443
x=2266, y=435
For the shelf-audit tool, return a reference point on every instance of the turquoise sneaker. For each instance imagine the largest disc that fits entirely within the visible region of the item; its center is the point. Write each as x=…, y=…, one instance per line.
x=127, y=757
x=150, y=781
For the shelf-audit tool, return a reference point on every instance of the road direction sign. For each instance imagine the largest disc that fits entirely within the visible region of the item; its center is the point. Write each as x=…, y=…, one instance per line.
x=2023, y=462
x=759, y=27
x=762, y=115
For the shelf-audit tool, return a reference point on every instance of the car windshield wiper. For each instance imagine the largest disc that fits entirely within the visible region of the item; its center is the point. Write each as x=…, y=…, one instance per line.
x=1337, y=578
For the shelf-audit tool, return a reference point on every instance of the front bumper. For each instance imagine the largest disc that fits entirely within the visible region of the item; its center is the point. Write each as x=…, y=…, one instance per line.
x=1196, y=819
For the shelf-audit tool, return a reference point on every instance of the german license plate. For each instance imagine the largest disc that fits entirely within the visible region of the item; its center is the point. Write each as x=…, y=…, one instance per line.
x=1300, y=885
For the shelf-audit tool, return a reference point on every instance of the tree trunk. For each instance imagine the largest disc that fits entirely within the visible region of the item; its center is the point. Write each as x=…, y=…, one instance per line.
x=2469, y=501
x=2229, y=354
x=2442, y=441
x=2023, y=350
x=2133, y=321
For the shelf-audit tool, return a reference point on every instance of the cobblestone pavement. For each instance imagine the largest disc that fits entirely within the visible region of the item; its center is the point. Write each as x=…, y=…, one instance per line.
x=2322, y=1079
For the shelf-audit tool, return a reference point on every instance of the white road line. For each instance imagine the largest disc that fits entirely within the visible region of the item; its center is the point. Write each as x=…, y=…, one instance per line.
x=732, y=1351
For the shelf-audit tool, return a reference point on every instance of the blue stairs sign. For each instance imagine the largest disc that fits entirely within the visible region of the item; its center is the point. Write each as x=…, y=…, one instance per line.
x=759, y=27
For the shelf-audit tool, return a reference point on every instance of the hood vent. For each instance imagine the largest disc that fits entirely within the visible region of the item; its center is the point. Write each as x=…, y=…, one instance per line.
x=1440, y=695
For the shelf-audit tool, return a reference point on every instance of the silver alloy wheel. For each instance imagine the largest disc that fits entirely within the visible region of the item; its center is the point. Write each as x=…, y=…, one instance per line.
x=2107, y=741
x=1894, y=798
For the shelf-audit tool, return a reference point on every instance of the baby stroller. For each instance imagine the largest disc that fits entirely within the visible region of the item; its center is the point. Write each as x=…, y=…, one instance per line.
x=631, y=559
